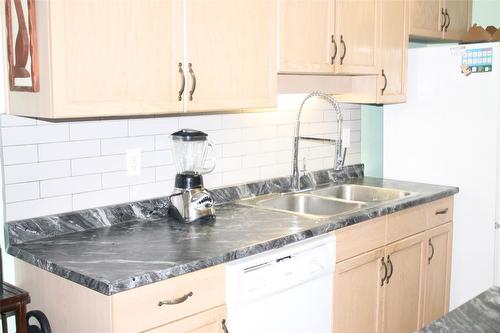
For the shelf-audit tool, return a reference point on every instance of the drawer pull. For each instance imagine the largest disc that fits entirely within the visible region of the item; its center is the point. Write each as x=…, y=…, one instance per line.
x=389, y=275
x=176, y=300
x=224, y=327
x=442, y=211
x=432, y=253
x=385, y=272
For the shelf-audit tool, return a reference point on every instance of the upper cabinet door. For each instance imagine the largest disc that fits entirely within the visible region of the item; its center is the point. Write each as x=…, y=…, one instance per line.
x=426, y=18
x=230, y=54
x=356, y=29
x=113, y=58
x=457, y=18
x=393, y=50
x=306, y=31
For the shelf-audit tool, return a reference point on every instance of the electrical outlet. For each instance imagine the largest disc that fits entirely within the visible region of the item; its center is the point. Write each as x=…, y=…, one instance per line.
x=346, y=137
x=134, y=162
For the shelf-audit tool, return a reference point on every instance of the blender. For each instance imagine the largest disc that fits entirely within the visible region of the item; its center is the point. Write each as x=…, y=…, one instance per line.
x=190, y=201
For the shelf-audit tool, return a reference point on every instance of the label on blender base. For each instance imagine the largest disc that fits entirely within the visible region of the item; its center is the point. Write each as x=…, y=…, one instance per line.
x=201, y=201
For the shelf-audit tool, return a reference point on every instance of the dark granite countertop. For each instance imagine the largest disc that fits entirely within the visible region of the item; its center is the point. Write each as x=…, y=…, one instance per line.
x=479, y=315
x=113, y=249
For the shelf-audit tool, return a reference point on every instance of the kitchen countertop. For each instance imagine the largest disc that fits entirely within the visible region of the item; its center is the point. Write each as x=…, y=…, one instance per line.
x=479, y=315
x=114, y=249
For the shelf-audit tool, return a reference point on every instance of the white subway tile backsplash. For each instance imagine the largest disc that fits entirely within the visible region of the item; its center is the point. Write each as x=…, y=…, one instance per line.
x=152, y=126
x=162, y=142
x=166, y=172
x=101, y=164
x=101, y=198
x=156, y=158
x=57, y=167
x=120, y=178
x=98, y=129
x=151, y=190
x=240, y=176
x=20, y=173
x=121, y=145
x=24, y=135
x=70, y=185
x=8, y=121
x=20, y=154
x=240, y=148
x=68, y=150
x=39, y=207
x=22, y=191
x=202, y=123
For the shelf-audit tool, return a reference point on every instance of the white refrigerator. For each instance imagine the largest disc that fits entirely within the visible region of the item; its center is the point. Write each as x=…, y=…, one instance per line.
x=447, y=133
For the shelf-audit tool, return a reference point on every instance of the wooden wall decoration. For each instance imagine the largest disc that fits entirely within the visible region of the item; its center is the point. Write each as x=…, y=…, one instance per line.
x=23, y=55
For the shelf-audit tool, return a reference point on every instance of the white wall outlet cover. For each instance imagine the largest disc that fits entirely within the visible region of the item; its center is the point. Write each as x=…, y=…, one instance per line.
x=346, y=137
x=134, y=163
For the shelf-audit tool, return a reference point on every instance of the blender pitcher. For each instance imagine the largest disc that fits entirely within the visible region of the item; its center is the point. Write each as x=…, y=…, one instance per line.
x=194, y=156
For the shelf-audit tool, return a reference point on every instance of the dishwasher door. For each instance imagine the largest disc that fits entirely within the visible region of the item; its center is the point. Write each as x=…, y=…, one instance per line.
x=289, y=290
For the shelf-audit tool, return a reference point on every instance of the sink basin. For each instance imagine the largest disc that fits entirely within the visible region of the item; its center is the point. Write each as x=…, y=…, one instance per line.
x=304, y=204
x=362, y=193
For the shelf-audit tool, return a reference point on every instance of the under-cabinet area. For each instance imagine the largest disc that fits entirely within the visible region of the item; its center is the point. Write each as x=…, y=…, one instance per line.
x=105, y=58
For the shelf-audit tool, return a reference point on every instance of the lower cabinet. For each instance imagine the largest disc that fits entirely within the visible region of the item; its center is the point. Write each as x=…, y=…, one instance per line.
x=404, y=284
x=400, y=285
x=210, y=321
x=437, y=290
x=358, y=293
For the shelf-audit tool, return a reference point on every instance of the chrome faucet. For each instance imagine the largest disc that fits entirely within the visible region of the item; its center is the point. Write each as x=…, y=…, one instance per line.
x=339, y=159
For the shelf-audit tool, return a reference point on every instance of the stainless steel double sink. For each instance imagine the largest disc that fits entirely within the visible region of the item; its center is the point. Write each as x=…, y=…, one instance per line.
x=327, y=201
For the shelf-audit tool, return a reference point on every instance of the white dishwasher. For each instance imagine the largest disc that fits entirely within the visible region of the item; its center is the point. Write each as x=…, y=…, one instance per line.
x=287, y=290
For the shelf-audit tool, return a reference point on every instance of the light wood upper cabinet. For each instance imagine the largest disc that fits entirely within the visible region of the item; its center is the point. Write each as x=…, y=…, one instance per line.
x=357, y=302
x=117, y=58
x=393, y=50
x=440, y=19
x=231, y=47
x=426, y=19
x=437, y=290
x=458, y=18
x=356, y=24
x=404, y=284
x=306, y=29
x=328, y=36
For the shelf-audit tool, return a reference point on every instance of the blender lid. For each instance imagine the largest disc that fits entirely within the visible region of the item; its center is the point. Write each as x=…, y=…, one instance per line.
x=187, y=134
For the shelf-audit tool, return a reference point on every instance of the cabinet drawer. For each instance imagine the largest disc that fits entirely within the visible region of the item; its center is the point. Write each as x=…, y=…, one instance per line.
x=209, y=321
x=360, y=238
x=138, y=309
x=439, y=212
x=405, y=223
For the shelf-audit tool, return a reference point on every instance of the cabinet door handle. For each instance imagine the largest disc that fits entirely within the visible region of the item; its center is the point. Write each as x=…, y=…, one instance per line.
x=385, y=82
x=345, y=49
x=441, y=212
x=391, y=267
x=176, y=300
x=193, y=79
x=449, y=20
x=224, y=327
x=183, y=81
x=444, y=19
x=432, y=253
x=385, y=272
x=334, y=49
